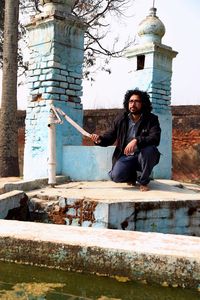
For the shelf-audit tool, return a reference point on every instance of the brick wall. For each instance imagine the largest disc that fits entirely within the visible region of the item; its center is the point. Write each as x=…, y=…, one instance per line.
x=185, y=137
x=98, y=121
x=186, y=143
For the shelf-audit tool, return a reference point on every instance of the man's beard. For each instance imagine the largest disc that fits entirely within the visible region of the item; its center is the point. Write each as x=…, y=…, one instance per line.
x=137, y=112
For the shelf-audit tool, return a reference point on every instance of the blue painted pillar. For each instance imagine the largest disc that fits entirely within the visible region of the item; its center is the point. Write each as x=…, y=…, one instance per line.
x=56, y=41
x=151, y=66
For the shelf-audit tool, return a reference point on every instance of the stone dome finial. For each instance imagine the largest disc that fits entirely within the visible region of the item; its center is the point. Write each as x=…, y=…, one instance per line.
x=62, y=5
x=151, y=29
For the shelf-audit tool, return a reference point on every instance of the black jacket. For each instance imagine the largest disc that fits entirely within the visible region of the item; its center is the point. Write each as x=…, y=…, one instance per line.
x=148, y=133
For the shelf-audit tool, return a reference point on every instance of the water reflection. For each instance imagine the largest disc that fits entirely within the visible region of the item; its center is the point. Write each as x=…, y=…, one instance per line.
x=34, y=283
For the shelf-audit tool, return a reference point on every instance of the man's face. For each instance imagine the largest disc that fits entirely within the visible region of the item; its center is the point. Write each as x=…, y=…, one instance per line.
x=135, y=105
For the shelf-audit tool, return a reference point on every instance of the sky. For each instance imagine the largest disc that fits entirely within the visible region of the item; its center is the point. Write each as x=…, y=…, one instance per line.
x=182, y=23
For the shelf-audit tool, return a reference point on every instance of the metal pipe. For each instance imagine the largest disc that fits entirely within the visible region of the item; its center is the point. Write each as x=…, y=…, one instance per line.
x=53, y=119
x=51, y=150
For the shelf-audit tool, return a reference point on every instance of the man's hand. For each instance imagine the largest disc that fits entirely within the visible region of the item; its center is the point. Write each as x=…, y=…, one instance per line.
x=131, y=147
x=95, y=138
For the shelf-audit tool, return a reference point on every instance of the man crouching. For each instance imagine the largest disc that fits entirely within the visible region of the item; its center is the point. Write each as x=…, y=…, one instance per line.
x=136, y=132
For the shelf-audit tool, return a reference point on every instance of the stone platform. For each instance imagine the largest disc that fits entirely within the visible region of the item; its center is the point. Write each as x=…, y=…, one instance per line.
x=111, y=191
x=169, y=207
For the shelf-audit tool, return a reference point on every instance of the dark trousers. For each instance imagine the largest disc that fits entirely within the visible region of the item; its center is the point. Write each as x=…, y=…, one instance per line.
x=126, y=167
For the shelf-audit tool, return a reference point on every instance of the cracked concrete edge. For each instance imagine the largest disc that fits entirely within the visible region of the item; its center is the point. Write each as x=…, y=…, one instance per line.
x=29, y=184
x=10, y=200
x=153, y=257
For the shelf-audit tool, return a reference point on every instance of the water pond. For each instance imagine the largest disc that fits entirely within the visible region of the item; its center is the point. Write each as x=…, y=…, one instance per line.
x=31, y=283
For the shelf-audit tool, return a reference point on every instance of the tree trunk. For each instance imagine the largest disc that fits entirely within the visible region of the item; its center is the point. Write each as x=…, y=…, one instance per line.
x=9, y=165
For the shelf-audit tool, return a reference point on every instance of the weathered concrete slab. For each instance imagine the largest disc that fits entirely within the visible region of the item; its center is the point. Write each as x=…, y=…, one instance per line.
x=93, y=163
x=108, y=191
x=168, y=207
x=9, y=201
x=14, y=183
x=160, y=258
x=4, y=180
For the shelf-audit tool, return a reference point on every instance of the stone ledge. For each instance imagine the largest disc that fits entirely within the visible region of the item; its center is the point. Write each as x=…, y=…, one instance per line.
x=28, y=185
x=160, y=258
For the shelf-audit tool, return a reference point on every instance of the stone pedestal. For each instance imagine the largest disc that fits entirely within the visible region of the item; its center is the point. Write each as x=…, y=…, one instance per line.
x=55, y=76
x=151, y=66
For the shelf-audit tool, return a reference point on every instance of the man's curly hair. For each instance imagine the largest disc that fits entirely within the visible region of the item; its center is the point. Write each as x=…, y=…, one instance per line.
x=144, y=97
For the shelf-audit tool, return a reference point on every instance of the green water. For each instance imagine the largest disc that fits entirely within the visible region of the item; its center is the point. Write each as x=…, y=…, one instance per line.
x=31, y=283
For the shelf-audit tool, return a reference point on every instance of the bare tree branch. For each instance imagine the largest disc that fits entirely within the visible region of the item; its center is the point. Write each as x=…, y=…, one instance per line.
x=97, y=15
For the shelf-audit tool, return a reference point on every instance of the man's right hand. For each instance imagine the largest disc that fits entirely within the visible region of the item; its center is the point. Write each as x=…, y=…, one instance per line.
x=131, y=147
x=95, y=138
